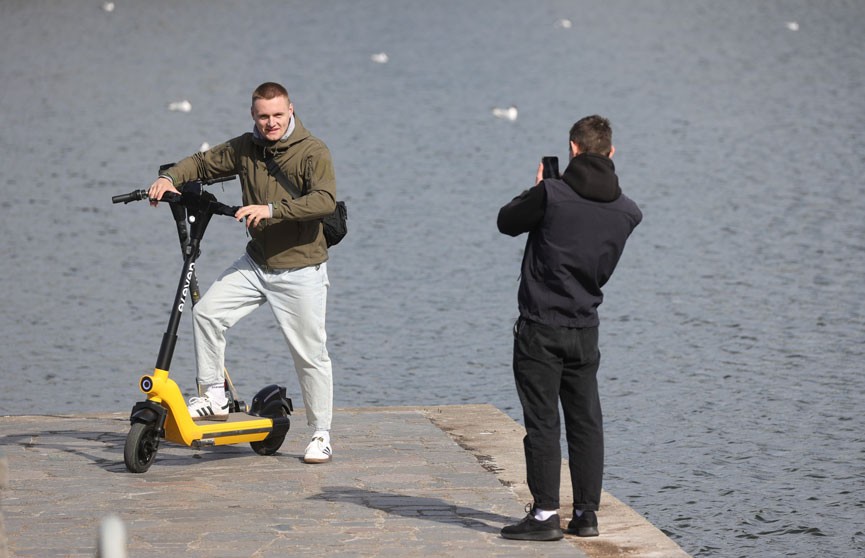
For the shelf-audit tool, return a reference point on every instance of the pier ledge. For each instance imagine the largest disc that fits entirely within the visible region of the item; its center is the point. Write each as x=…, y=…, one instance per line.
x=404, y=481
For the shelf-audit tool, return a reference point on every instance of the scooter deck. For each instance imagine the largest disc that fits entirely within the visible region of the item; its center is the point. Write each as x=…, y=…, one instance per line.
x=236, y=416
x=239, y=428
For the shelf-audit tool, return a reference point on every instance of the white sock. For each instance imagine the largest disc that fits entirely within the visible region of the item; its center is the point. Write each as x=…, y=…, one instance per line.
x=216, y=393
x=578, y=513
x=543, y=515
x=323, y=434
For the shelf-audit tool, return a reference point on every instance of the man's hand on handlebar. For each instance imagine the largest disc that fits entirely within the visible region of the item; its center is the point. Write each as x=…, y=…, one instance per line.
x=254, y=214
x=158, y=188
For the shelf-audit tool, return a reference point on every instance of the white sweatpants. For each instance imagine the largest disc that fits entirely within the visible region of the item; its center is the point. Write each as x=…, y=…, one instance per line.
x=298, y=298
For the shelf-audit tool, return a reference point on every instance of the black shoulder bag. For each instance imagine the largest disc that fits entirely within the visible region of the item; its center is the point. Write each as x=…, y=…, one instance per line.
x=335, y=225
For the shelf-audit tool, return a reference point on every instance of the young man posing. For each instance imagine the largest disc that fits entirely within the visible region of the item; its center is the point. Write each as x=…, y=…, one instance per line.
x=577, y=226
x=285, y=260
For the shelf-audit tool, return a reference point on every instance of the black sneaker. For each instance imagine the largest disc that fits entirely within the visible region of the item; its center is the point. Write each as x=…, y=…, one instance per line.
x=584, y=526
x=530, y=529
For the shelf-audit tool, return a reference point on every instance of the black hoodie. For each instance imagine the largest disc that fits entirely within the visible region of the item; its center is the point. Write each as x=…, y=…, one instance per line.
x=577, y=226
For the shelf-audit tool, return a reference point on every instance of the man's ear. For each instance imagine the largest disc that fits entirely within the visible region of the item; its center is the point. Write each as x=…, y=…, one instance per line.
x=575, y=150
x=612, y=150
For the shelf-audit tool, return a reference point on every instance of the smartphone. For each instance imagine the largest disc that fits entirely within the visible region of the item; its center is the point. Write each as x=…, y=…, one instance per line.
x=551, y=167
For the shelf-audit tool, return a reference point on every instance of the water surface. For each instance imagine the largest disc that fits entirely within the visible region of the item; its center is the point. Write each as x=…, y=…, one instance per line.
x=732, y=333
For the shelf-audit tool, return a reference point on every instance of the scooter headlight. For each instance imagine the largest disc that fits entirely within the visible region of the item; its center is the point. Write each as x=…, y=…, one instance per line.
x=146, y=384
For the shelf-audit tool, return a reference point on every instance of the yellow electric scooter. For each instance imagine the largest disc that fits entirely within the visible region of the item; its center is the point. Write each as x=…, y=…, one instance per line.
x=164, y=413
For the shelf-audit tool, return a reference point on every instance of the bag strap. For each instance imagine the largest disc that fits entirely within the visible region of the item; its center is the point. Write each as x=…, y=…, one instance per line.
x=283, y=180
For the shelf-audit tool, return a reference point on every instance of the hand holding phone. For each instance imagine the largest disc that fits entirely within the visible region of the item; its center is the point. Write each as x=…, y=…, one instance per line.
x=550, y=167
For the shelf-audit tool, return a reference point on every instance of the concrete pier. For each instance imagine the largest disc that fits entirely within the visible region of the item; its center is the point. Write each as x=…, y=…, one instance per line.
x=404, y=481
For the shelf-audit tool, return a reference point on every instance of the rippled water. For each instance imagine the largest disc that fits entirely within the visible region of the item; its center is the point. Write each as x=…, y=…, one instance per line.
x=733, y=332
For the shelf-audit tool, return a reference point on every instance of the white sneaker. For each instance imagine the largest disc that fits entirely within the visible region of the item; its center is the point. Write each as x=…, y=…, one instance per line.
x=203, y=408
x=318, y=451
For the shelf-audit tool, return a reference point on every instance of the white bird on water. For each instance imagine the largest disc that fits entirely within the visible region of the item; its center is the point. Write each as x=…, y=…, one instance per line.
x=379, y=58
x=180, y=106
x=509, y=113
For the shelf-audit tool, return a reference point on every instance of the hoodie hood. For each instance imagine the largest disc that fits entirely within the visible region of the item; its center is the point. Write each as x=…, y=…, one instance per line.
x=593, y=177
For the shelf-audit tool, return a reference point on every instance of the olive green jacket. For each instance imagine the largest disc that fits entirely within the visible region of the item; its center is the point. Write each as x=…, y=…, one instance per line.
x=293, y=237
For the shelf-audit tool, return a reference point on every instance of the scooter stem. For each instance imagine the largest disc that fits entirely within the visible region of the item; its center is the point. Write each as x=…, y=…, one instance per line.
x=199, y=221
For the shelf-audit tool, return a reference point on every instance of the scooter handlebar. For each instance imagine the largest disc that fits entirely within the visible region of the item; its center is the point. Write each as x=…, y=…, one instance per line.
x=216, y=207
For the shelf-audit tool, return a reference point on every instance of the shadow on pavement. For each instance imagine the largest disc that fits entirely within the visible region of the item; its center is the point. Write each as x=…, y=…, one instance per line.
x=417, y=507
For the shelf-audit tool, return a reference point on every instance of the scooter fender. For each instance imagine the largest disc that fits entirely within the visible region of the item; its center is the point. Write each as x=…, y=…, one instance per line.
x=267, y=403
x=267, y=399
x=148, y=412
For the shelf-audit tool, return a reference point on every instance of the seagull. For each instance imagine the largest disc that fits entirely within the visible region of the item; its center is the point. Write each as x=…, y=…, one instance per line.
x=204, y=147
x=564, y=23
x=793, y=25
x=180, y=106
x=379, y=58
x=509, y=113
x=108, y=6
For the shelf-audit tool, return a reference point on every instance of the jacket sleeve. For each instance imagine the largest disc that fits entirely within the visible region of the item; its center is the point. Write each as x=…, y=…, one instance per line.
x=319, y=200
x=216, y=162
x=524, y=212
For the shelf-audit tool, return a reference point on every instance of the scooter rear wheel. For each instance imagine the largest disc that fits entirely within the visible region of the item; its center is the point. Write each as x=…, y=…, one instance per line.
x=271, y=444
x=142, y=442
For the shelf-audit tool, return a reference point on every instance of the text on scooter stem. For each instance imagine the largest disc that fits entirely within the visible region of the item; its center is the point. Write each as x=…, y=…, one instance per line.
x=185, y=292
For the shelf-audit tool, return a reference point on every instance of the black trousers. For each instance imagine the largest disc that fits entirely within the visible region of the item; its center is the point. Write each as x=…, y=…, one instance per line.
x=553, y=364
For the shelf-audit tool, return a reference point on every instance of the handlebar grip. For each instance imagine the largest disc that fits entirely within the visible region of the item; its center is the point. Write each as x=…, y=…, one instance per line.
x=130, y=197
x=226, y=210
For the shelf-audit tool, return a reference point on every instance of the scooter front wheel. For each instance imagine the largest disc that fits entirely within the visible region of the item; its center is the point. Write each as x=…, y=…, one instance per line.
x=142, y=442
